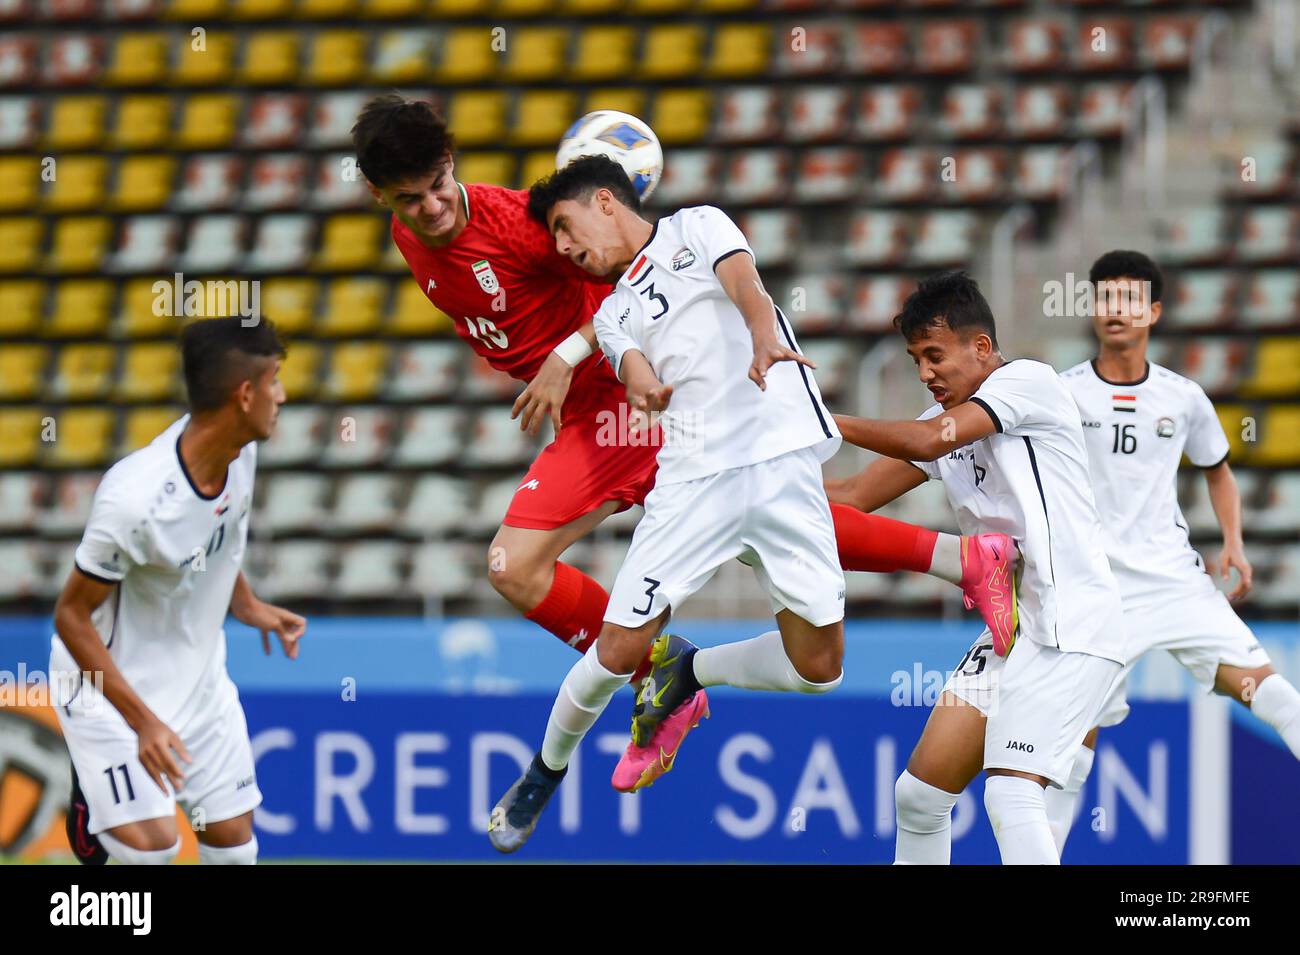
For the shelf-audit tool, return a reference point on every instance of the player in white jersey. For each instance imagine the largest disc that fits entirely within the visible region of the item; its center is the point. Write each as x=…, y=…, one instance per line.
x=156, y=573
x=1005, y=439
x=1139, y=420
x=691, y=332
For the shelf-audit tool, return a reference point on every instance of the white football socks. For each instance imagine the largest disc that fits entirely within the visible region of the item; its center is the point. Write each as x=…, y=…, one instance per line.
x=757, y=664
x=1061, y=802
x=1277, y=703
x=946, y=562
x=1019, y=817
x=123, y=854
x=229, y=855
x=583, y=696
x=924, y=822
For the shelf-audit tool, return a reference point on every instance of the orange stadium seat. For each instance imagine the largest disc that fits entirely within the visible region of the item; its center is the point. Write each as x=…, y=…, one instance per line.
x=947, y=46
x=74, y=59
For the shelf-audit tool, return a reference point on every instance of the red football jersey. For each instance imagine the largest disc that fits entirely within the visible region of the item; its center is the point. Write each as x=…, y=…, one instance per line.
x=512, y=297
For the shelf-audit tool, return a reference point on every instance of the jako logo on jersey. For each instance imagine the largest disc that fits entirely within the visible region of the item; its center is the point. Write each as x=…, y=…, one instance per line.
x=623, y=318
x=1165, y=427
x=529, y=485
x=1021, y=747
x=487, y=279
x=684, y=259
x=1092, y=424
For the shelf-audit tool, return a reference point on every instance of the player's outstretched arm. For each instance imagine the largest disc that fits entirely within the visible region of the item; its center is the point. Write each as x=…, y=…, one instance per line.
x=268, y=618
x=924, y=440
x=545, y=394
x=1225, y=498
x=881, y=481
x=159, y=746
x=741, y=281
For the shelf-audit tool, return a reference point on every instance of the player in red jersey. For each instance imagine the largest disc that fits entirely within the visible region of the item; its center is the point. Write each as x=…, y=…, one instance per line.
x=527, y=310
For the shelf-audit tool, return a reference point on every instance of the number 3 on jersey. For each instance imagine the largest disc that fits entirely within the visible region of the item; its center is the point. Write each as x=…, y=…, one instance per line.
x=486, y=332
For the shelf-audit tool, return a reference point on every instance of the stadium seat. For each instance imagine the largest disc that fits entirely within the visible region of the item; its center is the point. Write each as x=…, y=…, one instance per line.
x=282, y=243
x=137, y=59
x=75, y=59
x=467, y=57
x=944, y=238
x=150, y=372
x=829, y=174
x=603, y=52
x=141, y=122
x=493, y=501
x=353, y=306
x=148, y=243
x=425, y=370
x=365, y=502
x=80, y=309
x=22, y=370
x=332, y=116
x=1041, y=173
x=210, y=66
x=357, y=371
x=192, y=10
x=82, y=438
x=478, y=118
x=300, y=370
x=1268, y=234
x=817, y=113
x=1270, y=172
x=979, y=176
x=1195, y=236
x=299, y=432
x=876, y=300
x=83, y=372
x=739, y=50
x=381, y=9
x=1280, y=586
x=275, y=120
x=331, y=190
x=1039, y=111
x=815, y=51
x=947, y=47
x=1282, y=505
x=773, y=235
x=542, y=116
x=655, y=7
x=691, y=178
x=401, y=56
x=1279, y=438
x=1272, y=298
x=1103, y=44
x=496, y=169
x=142, y=425
x=1216, y=364
x=137, y=315
x=260, y=9
x=618, y=98
x=1103, y=109
x=76, y=122
x=877, y=49
x=757, y=176
x=888, y=112
x=327, y=9
x=836, y=365
x=358, y=436
x=21, y=433
x=1201, y=297
x=294, y=502
x=671, y=51
x=876, y=238
x=483, y=382
x=270, y=59
x=430, y=437
x=22, y=303
x=748, y=114
x=78, y=184
x=19, y=120
x=336, y=58
x=814, y=302
x=1036, y=45
x=349, y=243
x=535, y=54
x=441, y=570
x=143, y=182
x=906, y=175
x=1167, y=42
x=536, y=165
x=214, y=243
x=413, y=315
x=681, y=115
x=208, y=121
x=18, y=58
x=437, y=504
x=290, y=303
x=970, y=111
x=297, y=568
x=22, y=178
x=20, y=496
x=20, y=241
x=277, y=181
x=20, y=574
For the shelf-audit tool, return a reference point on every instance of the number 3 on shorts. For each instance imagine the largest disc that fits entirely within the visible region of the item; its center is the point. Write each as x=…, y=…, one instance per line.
x=649, y=592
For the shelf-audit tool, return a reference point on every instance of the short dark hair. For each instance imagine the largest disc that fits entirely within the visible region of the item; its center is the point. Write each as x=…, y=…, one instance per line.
x=1123, y=263
x=396, y=139
x=579, y=180
x=951, y=299
x=219, y=354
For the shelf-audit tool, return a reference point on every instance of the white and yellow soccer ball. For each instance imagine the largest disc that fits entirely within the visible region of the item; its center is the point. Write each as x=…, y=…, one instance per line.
x=623, y=138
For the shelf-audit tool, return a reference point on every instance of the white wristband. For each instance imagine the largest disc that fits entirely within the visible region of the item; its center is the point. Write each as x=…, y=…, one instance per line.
x=573, y=349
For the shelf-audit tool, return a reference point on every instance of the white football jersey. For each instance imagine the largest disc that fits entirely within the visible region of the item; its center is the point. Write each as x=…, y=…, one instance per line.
x=174, y=555
x=670, y=306
x=1136, y=434
x=1030, y=481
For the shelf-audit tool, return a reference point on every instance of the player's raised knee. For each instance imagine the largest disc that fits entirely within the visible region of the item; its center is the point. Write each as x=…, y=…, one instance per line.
x=819, y=675
x=155, y=853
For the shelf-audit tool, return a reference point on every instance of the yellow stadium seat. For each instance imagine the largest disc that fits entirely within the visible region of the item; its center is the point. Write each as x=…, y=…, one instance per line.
x=439, y=9
x=22, y=303
x=535, y=53
x=208, y=121
x=21, y=369
x=740, y=49
x=144, y=182
x=660, y=6
x=260, y=9
x=537, y=165
x=142, y=425
x=83, y=372
x=478, y=118
x=137, y=59
x=357, y=369
x=82, y=437
x=195, y=10
x=681, y=116
x=672, y=51
x=270, y=58
x=209, y=66
x=542, y=116
x=525, y=8
x=1279, y=443
x=338, y=57
x=327, y=9
x=300, y=370
x=726, y=6
x=76, y=122
x=396, y=61
x=414, y=315
x=78, y=183
x=384, y=9
x=350, y=242
x=20, y=436
x=81, y=308
x=21, y=176
x=150, y=372
x=290, y=303
x=142, y=122
x=1235, y=419
x=1277, y=369
x=624, y=100
x=137, y=317
x=604, y=53
x=592, y=7
x=20, y=244
x=79, y=244
x=353, y=307
x=467, y=55
x=495, y=169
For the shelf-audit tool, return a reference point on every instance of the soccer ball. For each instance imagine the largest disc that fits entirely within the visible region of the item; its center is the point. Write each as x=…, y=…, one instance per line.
x=623, y=138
